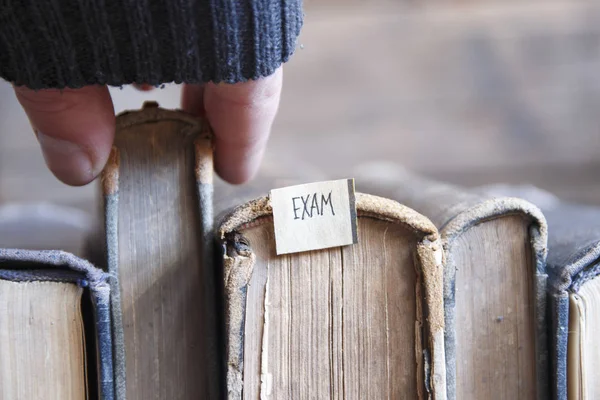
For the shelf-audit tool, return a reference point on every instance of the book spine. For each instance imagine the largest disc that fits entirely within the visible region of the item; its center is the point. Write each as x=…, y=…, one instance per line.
x=430, y=256
x=202, y=236
x=204, y=167
x=59, y=266
x=238, y=263
x=559, y=310
x=538, y=236
x=110, y=187
x=538, y=239
x=103, y=322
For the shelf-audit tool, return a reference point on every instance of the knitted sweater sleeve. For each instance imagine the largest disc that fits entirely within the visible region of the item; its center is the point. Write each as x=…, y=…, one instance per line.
x=73, y=43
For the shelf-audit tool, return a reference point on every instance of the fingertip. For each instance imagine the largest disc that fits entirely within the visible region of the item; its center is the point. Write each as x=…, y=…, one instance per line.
x=75, y=129
x=242, y=116
x=66, y=160
x=192, y=99
x=240, y=172
x=144, y=87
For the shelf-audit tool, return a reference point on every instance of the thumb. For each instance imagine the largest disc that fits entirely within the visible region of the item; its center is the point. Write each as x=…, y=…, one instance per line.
x=75, y=128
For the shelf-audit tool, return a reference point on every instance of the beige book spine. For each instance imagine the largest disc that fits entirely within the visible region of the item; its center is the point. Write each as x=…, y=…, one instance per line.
x=238, y=267
x=158, y=202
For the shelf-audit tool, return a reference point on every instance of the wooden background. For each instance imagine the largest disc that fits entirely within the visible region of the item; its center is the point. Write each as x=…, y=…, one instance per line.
x=470, y=92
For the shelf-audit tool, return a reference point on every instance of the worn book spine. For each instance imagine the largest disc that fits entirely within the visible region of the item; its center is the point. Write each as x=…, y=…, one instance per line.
x=199, y=310
x=473, y=215
x=238, y=262
x=58, y=266
x=573, y=260
x=454, y=211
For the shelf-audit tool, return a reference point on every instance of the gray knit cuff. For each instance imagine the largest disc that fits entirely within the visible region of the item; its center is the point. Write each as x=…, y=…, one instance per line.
x=61, y=43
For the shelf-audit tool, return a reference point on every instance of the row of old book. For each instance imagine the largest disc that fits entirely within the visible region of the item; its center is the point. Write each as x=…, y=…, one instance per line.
x=485, y=293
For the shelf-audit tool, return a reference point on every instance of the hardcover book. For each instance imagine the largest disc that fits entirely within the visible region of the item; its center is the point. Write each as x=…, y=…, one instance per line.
x=55, y=341
x=157, y=189
x=574, y=301
x=495, y=283
x=352, y=322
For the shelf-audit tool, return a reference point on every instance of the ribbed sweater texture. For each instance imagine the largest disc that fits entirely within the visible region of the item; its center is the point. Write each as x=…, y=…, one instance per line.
x=73, y=43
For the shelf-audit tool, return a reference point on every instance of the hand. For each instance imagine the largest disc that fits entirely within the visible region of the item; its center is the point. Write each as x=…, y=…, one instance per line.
x=76, y=127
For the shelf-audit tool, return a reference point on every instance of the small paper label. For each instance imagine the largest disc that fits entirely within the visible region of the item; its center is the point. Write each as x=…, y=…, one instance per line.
x=314, y=216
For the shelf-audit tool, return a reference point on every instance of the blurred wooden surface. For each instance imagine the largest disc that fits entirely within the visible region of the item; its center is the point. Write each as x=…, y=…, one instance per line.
x=470, y=92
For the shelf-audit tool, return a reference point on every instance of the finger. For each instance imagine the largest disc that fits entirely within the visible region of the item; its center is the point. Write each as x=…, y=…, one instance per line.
x=192, y=99
x=241, y=116
x=75, y=128
x=144, y=87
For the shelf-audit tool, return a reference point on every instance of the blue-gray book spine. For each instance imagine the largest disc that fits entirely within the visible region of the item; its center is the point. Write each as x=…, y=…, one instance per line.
x=58, y=266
